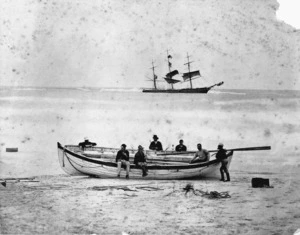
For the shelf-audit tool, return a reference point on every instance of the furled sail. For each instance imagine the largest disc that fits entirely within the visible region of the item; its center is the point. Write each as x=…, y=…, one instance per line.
x=171, y=81
x=191, y=74
x=169, y=77
x=172, y=74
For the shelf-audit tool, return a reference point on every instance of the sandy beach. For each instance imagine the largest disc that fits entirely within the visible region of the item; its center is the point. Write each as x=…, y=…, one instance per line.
x=51, y=202
x=68, y=205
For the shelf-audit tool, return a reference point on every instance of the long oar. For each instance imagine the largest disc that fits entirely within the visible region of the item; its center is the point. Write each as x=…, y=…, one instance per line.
x=211, y=151
x=246, y=149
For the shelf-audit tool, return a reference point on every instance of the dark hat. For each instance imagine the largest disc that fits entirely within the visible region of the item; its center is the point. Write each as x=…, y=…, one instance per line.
x=220, y=146
x=155, y=137
x=123, y=145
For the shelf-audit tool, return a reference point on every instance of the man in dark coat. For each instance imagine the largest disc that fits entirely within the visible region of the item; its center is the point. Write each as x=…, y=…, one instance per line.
x=140, y=160
x=222, y=156
x=122, y=159
x=86, y=144
x=155, y=144
x=180, y=147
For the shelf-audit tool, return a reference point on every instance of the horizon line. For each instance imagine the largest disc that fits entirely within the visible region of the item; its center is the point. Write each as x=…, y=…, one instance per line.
x=95, y=88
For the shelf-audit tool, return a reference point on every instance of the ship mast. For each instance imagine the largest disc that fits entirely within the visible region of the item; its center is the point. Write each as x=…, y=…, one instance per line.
x=154, y=75
x=188, y=63
x=169, y=65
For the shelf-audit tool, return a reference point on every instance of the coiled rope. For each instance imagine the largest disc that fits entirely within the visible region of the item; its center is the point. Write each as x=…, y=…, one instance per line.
x=211, y=195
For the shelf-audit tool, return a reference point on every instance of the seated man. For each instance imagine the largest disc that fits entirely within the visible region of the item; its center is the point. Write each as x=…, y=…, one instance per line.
x=122, y=159
x=180, y=147
x=202, y=155
x=155, y=144
x=140, y=160
x=86, y=144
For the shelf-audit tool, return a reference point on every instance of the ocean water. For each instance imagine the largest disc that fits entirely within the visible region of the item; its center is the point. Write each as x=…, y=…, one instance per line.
x=35, y=119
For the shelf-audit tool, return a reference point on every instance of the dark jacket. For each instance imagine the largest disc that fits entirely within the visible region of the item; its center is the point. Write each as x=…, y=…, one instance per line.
x=180, y=148
x=156, y=146
x=221, y=155
x=86, y=144
x=122, y=155
x=139, y=157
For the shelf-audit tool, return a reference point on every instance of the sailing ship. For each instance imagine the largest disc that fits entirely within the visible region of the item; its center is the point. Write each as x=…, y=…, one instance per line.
x=188, y=76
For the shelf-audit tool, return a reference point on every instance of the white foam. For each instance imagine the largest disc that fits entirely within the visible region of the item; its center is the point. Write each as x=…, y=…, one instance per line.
x=226, y=92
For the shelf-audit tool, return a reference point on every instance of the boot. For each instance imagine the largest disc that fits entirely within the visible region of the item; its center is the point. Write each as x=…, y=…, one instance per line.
x=144, y=171
x=228, y=177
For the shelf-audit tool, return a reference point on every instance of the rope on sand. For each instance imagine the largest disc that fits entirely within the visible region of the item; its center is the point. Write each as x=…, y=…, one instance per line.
x=214, y=194
x=125, y=188
x=102, y=188
x=210, y=195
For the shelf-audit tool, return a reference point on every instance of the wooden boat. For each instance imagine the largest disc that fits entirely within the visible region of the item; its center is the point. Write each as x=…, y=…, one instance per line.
x=188, y=76
x=100, y=162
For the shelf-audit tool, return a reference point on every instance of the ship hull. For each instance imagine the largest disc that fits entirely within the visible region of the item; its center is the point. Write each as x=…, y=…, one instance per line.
x=187, y=90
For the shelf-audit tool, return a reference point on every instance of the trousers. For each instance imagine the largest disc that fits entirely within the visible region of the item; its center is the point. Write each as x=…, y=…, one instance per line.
x=143, y=165
x=124, y=163
x=224, y=169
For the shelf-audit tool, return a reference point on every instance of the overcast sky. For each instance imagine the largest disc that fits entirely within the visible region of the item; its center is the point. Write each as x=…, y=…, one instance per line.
x=103, y=43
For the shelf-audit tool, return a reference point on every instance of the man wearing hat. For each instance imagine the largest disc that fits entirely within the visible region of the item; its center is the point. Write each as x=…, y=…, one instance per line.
x=155, y=144
x=222, y=156
x=86, y=144
x=140, y=160
x=122, y=159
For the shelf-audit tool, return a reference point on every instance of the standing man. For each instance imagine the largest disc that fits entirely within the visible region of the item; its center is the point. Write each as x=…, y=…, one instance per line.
x=222, y=156
x=140, y=160
x=122, y=159
x=155, y=144
x=202, y=155
x=180, y=147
